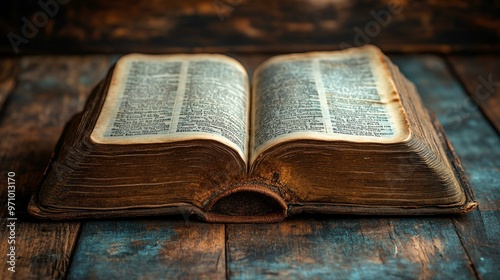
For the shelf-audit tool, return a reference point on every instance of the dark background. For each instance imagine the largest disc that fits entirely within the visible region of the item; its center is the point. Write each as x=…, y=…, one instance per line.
x=243, y=26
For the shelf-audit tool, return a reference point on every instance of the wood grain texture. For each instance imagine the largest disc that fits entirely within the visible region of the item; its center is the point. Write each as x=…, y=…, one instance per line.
x=149, y=249
x=481, y=76
x=251, y=26
x=476, y=143
x=49, y=91
x=347, y=248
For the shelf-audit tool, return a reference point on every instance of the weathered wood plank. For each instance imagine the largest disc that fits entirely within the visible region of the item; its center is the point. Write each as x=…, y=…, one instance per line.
x=477, y=144
x=481, y=76
x=347, y=248
x=49, y=91
x=249, y=26
x=149, y=249
x=479, y=234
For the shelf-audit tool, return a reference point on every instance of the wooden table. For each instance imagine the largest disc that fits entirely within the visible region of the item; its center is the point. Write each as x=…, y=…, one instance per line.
x=38, y=94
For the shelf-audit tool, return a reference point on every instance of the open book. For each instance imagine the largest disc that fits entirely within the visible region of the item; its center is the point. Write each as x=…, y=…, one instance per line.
x=325, y=132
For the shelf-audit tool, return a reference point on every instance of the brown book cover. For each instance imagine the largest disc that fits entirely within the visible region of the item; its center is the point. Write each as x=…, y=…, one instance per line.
x=326, y=132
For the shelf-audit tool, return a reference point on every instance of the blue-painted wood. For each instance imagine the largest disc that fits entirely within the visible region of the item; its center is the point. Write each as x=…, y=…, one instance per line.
x=149, y=249
x=347, y=248
x=480, y=75
x=477, y=145
x=42, y=96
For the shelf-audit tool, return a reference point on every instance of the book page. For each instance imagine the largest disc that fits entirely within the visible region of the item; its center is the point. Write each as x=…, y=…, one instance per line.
x=346, y=95
x=156, y=99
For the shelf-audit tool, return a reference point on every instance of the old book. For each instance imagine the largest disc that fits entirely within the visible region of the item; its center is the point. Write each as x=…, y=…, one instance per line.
x=324, y=132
